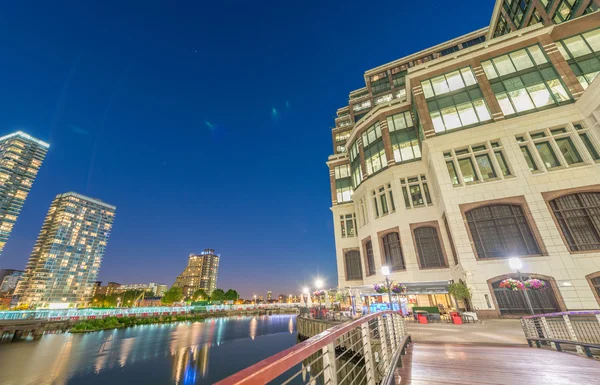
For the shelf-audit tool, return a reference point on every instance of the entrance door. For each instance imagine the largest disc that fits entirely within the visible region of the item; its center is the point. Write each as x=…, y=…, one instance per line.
x=513, y=302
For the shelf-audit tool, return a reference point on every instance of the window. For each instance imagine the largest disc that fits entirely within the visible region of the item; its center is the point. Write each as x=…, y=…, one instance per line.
x=587, y=141
x=454, y=100
x=565, y=10
x=415, y=192
x=502, y=28
x=392, y=251
x=361, y=106
x=472, y=42
x=355, y=167
x=370, y=258
x=429, y=248
x=582, y=52
x=524, y=81
x=501, y=231
x=555, y=148
x=348, y=225
x=342, y=171
x=477, y=162
x=383, y=200
x=375, y=158
x=380, y=84
x=342, y=136
x=353, y=267
x=595, y=283
x=343, y=190
x=578, y=216
x=515, y=9
x=403, y=136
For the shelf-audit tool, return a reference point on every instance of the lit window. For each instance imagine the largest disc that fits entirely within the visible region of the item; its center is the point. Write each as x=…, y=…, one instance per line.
x=348, y=225
x=549, y=144
x=477, y=162
x=415, y=192
x=383, y=200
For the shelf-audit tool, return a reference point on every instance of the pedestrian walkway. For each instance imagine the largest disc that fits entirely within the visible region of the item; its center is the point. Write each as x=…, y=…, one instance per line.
x=496, y=331
x=459, y=364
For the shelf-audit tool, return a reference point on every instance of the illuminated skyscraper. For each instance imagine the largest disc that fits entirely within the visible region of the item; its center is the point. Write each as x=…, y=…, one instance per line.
x=21, y=157
x=200, y=273
x=66, y=258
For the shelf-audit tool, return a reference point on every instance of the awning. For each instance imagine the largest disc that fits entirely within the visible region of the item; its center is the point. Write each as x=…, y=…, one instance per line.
x=433, y=287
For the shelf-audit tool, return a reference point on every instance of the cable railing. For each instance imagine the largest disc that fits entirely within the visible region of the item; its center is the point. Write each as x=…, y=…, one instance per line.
x=572, y=331
x=362, y=351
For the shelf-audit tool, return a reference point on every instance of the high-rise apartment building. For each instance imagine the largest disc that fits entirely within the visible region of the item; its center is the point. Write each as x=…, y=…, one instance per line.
x=8, y=280
x=21, y=157
x=66, y=258
x=454, y=159
x=200, y=273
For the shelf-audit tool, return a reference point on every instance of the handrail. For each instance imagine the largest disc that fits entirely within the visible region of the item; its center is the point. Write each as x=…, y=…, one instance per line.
x=397, y=360
x=272, y=367
x=580, y=312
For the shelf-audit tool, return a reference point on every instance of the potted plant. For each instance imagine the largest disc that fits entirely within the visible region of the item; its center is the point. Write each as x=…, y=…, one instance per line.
x=380, y=288
x=460, y=292
x=398, y=288
x=535, y=284
x=512, y=284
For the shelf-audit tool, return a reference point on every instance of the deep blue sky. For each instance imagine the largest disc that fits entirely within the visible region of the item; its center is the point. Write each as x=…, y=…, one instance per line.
x=167, y=110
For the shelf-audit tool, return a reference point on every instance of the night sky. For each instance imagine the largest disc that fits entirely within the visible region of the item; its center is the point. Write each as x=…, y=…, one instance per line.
x=207, y=125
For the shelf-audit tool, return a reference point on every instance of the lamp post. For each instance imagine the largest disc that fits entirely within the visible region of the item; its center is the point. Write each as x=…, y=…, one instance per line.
x=319, y=285
x=385, y=270
x=516, y=264
x=254, y=299
x=305, y=291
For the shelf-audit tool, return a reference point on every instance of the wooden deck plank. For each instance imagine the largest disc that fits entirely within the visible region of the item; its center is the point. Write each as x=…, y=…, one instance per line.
x=456, y=364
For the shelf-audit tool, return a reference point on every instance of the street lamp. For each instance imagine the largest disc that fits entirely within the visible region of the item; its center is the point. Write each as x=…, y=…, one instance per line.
x=319, y=286
x=515, y=263
x=385, y=270
x=254, y=299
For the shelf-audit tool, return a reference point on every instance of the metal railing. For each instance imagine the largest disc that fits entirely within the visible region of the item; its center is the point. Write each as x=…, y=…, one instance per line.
x=83, y=314
x=363, y=351
x=577, y=331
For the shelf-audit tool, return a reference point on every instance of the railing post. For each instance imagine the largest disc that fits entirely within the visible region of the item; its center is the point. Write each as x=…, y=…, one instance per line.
x=368, y=353
x=382, y=341
x=572, y=332
x=392, y=332
x=547, y=332
x=329, y=364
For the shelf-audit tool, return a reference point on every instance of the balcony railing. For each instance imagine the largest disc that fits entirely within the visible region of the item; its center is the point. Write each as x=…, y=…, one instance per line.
x=363, y=351
x=577, y=331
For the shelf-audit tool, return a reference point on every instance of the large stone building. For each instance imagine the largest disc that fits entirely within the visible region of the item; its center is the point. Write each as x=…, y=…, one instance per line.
x=200, y=273
x=485, y=147
x=65, y=260
x=21, y=157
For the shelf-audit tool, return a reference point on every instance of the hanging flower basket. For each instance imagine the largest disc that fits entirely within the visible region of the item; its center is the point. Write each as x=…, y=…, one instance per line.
x=512, y=284
x=398, y=288
x=379, y=288
x=535, y=284
x=319, y=293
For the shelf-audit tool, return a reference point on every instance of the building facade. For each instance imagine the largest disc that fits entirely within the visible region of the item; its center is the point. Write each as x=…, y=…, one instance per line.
x=65, y=260
x=200, y=273
x=156, y=288
x=8, y=281
x=486, y=147
x=21, y=157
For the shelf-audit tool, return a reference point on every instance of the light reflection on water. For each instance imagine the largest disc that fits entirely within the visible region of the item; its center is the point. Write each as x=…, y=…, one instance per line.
x=181, y=353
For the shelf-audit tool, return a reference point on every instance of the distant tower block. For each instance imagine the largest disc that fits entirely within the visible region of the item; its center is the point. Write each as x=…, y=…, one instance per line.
x=200, y=273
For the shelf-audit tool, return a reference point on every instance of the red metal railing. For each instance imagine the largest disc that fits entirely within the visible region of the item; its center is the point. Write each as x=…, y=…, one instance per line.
x=356, y=352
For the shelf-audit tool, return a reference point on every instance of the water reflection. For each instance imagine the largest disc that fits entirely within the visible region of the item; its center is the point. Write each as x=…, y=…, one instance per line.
x=184, y=353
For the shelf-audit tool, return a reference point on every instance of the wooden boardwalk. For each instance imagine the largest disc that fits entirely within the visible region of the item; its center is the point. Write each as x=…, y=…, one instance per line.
x=456, y=364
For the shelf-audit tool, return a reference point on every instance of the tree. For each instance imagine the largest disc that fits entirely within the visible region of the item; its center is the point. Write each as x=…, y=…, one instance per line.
x=231, y=295
x=200, y=295
x=217, y=295
x=460, y=292
x=174, y=294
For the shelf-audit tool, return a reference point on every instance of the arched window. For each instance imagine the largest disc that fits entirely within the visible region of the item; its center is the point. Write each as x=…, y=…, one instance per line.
x=578, y=217
x=514, y=302
x=353, y=268
x=392, y=251
x=501, y=231
x=594, y=281
x=429, y=248
x=370, y=258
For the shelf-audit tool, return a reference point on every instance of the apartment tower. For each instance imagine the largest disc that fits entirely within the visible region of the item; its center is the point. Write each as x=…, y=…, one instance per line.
x=200, y=273
x=456, y=158
x=21, y=157
x=65, y=260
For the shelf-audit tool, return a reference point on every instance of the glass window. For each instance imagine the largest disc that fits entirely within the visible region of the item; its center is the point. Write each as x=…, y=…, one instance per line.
x=590, y=147
x=485, y=166
x=568, y=150
x=353, y=266
x=466, y=168
x=547, y=154
x=502, y=163
x=521, y=60
x=578, y=216
x=452, y=172
x=582, y=52
x=392, y=251
x=416, y=196
x=370, y=258
x=348, y=225
x=406, y=199
x=429, y=248
x=501, y=231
